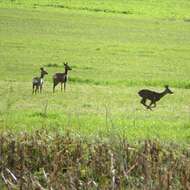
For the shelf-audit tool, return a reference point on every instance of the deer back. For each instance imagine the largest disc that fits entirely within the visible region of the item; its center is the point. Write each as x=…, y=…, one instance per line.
x=60, y=77
x=148, y=94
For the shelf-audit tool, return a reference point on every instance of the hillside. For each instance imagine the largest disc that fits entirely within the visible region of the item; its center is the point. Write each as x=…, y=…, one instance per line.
x=115, y=49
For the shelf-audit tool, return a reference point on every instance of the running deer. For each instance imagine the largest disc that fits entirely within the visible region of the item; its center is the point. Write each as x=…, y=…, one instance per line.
x=37, y=82
x=61, y=77
x=153, y=96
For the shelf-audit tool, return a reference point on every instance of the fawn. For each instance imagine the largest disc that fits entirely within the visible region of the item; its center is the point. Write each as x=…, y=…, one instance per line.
x=37, y=82
x=153, y=96
x=61, y=77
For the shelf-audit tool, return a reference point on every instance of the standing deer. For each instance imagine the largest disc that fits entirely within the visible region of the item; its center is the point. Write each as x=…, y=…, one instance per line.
x=37, y=82
x=61, y=78
x=153, y=96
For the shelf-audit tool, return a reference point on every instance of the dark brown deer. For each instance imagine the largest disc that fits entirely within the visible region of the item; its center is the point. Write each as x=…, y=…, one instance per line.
x=153, y=96
x=61, y=78
x=37, y=82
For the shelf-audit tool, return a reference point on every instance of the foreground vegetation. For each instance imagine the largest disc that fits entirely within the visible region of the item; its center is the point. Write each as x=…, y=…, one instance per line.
x=47, y=160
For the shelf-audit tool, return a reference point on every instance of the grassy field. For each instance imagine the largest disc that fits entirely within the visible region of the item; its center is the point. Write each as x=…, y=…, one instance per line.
x=115, y=49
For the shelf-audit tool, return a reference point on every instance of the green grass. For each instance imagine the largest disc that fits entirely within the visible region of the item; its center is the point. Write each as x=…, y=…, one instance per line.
x=115, y=48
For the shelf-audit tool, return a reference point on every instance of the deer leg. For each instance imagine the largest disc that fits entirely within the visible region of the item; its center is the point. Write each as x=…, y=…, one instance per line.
x=36, y=89
x=54, y=85
x=64, y=86
x=143, y=102
x=152, y=103
x=61, y=87
x=149, y=107
x=40, y=88
x=33, y=86
x=54, y=88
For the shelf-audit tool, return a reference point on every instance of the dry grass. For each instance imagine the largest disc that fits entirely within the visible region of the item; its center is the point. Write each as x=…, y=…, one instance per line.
x=47, y=160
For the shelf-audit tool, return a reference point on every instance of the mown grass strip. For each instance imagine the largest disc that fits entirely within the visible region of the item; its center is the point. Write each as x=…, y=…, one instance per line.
x=131, y=83
x=86, y=9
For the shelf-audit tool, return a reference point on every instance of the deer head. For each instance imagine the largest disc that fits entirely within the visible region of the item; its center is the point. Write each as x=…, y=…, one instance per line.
x=67, y=67
x=43, y=72
x=167, y=90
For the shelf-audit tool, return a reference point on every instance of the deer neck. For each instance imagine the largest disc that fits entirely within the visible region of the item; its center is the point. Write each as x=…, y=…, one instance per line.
x=66, y=71
x=162, y=94
x=42, y=76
